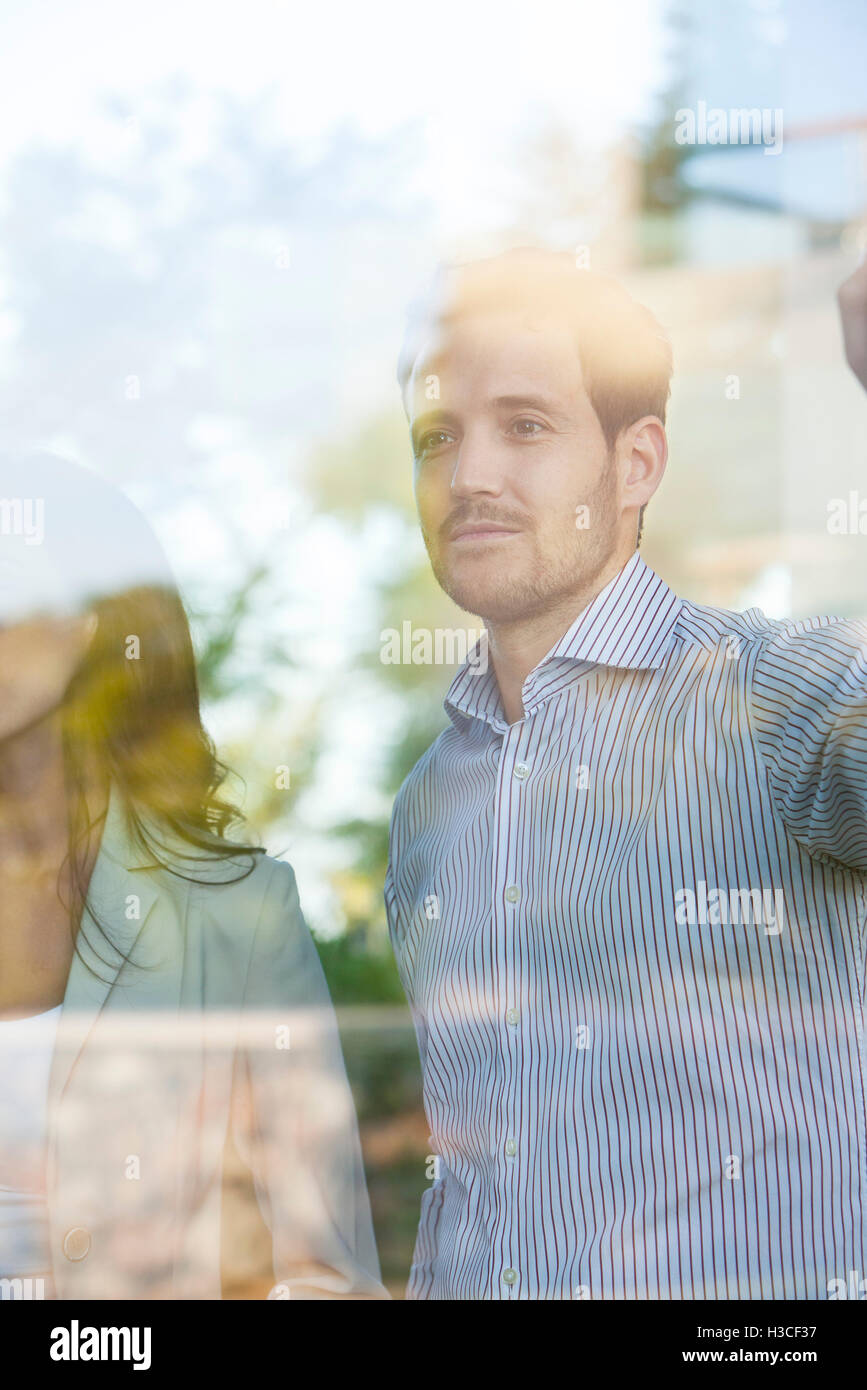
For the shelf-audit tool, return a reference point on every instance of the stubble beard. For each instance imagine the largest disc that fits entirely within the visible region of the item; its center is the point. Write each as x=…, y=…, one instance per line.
x=564, y=567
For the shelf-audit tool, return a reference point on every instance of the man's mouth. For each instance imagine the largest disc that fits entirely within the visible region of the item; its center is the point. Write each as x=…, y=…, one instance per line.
x=482, y=531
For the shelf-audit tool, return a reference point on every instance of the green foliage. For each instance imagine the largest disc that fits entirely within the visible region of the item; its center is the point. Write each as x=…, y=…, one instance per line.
x=357, y=973
x=349, y=477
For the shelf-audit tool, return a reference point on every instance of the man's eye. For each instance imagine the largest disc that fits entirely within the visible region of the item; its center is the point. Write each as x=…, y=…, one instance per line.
x=434, y=439
x=527, y=428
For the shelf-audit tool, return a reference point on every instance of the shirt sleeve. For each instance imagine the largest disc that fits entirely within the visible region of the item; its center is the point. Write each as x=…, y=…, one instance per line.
x=300, y=1136
x=397, y=929
x=421, y=1276
x=809, y=714
x=395, y=934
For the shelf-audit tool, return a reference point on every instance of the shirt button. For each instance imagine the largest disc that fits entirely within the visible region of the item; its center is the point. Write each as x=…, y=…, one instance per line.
x=510, y=1276
x=512, y=1016
x=513, y=893
x=521, y=771
x=511, y=1147
x=76, y=1243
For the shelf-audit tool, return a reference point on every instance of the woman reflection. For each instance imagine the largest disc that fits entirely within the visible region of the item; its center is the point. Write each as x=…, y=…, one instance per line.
x=162, y=1005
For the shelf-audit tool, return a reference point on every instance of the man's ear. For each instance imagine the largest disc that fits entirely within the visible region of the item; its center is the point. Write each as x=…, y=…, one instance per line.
x=642, y=452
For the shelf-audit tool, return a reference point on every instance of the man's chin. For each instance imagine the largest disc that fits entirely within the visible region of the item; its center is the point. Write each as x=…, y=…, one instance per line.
x=496, y=599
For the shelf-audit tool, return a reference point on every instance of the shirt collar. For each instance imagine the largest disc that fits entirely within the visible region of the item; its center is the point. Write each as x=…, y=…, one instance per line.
x=627, y=625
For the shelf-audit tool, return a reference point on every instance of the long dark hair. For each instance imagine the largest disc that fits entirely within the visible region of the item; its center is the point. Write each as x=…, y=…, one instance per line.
x=131, y=717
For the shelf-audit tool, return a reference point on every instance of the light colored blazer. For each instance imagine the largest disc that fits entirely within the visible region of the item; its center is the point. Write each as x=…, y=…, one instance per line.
x=219, y=1022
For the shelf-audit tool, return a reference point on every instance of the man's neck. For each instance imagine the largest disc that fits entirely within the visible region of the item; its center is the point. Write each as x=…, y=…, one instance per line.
x=516, y=648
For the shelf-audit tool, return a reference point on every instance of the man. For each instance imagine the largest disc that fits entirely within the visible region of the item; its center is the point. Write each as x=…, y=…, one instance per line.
x=626, y=887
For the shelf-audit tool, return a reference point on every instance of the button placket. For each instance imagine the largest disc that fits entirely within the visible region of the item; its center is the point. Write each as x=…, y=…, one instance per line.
x=509, y=898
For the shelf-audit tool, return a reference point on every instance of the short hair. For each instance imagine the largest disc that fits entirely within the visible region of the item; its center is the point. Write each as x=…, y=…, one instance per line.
x=625, y=354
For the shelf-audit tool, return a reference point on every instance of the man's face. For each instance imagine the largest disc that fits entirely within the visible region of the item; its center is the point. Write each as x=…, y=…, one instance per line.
x=505, y=460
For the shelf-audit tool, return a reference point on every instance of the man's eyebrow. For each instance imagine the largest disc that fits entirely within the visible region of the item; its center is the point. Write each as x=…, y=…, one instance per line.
x=529, y=401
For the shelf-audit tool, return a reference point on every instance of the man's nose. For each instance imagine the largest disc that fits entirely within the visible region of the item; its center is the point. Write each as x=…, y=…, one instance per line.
x=478, y=466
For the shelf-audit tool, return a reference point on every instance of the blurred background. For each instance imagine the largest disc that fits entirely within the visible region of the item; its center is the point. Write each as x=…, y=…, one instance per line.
x=212, y=219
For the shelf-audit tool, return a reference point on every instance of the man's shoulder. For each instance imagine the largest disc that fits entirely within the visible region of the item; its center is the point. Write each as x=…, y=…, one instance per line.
x=708, y=627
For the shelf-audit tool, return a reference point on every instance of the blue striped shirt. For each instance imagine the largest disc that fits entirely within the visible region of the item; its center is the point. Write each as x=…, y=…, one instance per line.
x=631, y=929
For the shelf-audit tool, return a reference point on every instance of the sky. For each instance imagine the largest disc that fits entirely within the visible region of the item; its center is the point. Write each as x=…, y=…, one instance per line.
x=800, y=58
x=472, y=75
